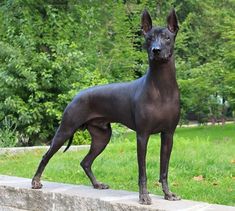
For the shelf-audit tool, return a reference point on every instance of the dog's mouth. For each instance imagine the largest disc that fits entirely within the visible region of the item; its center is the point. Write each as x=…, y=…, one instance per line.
x=160, y=57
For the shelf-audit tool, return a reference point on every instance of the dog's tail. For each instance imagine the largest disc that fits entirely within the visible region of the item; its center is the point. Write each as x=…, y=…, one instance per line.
x=69, y=143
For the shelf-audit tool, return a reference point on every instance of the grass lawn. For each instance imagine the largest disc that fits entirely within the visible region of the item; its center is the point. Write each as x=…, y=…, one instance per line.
x=202, y=164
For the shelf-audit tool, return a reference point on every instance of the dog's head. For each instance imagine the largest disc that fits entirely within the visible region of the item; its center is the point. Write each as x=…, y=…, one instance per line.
x=159, y=41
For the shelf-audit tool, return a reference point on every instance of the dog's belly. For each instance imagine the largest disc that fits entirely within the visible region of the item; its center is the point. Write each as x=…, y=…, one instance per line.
x=114, y=113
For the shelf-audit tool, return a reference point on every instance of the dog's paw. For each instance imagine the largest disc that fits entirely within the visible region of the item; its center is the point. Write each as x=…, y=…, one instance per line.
x=145, y=199
x=172, y=197
x=101, y=186
x=36, y=184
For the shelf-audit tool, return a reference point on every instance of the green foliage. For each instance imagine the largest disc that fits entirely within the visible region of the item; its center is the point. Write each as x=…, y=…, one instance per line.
x=9, y=136
x=52, y=51
x=204, y=57
x=49, y=50
x=81, y=137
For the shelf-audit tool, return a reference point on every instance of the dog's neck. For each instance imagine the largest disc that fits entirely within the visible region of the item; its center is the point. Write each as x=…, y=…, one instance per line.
x=162, y=74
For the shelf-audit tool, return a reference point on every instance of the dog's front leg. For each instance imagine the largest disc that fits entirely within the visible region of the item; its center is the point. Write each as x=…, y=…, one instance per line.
x=166, y=147
x=142, y=141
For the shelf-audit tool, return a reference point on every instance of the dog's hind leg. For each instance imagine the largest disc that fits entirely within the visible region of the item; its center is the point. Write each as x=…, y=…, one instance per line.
x=63, y=133
x=100, y=138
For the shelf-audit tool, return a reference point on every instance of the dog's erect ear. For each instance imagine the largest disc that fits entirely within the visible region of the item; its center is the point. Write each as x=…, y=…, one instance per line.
x=146, y=22
x=172, y=22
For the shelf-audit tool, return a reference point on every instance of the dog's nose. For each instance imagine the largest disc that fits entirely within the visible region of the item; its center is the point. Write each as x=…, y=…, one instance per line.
x=156, y=50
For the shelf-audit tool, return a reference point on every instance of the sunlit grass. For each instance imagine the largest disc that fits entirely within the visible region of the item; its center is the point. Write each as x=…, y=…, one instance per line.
x=201, y=168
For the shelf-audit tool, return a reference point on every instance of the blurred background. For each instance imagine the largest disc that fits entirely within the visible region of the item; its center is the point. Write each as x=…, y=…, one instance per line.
x=49, y=50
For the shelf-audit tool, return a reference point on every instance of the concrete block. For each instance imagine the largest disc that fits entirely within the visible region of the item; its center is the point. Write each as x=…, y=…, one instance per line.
x=16, y=195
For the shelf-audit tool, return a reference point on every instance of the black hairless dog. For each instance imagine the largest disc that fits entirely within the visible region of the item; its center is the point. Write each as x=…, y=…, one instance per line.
x=147, y=105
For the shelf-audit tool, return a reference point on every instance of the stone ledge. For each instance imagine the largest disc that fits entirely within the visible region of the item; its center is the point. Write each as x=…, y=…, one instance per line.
x=16, y=195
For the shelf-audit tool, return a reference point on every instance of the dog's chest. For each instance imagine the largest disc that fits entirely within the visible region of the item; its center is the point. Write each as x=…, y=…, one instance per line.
x=159, y=113
x=164, y=117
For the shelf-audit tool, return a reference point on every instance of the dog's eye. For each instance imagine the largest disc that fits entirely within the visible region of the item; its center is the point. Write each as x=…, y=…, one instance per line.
x=167, y=38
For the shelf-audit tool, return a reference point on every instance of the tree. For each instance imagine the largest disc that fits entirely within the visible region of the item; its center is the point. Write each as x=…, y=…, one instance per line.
x=49, y=50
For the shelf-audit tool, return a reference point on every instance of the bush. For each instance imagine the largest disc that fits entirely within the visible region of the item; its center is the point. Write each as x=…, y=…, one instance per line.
x=8, y=134
x=49, y=52
x=81, y=137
